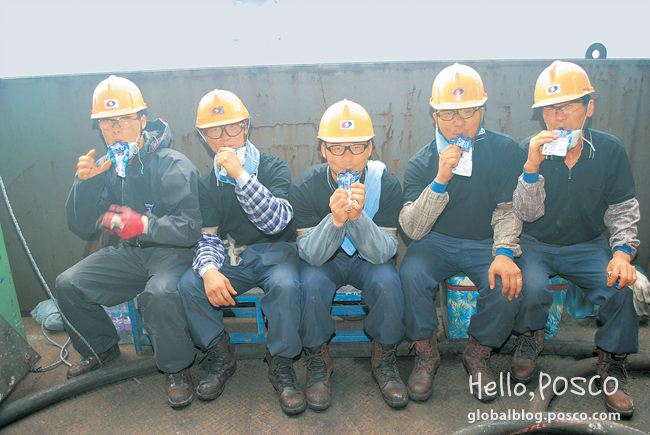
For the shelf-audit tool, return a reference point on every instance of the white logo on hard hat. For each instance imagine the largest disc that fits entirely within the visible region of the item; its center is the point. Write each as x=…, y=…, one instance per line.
x=553, y=89
x=111, y=104
x=346, y=125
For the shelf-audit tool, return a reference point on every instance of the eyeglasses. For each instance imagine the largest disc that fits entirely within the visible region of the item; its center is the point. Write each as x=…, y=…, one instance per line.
x=566, y=108
x=355, y=148
x=448, y=115
x=124, y=122
x=231, y=130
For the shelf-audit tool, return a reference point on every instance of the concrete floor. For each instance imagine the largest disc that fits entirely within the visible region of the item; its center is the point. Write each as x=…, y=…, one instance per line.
x=249, y=405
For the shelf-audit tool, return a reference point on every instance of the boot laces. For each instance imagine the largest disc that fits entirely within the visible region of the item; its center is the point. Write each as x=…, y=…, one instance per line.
x=387, y=364
x=526, y=347
x=424, y=354
x=178, y=379
x=217, y=358
x=480, y=357
x=616, y=370
x=316, y=366
x=284, y=373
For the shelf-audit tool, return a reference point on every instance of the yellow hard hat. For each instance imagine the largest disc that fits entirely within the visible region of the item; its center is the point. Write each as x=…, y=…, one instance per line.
x=116, y=96
x=561, y=82
x=345, y=121
x=457, y=87
x=220, y=107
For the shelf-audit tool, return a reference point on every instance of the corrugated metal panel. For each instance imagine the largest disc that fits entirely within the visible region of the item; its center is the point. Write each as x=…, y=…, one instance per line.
x=45, y=125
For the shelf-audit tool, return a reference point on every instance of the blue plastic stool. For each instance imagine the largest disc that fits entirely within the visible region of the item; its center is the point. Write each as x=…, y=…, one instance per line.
x=342, y=307
x=458, y=303
x=140, y=337
x=347, y=302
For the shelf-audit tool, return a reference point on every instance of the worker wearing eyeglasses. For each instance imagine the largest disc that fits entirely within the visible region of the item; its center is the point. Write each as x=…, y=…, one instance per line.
x=346, y=216
x=247, y=241
x=458, y=211
x=577, y=182
x=147, y=195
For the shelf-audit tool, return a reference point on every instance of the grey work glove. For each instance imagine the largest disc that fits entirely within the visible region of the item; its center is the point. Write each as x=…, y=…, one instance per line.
x=233, y=252
x=641, y=289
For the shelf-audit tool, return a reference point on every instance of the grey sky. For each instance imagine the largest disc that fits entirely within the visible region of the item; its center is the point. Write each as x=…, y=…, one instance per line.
x=74, y=37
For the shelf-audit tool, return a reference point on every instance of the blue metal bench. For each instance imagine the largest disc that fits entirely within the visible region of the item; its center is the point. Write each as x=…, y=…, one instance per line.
x=347, y=302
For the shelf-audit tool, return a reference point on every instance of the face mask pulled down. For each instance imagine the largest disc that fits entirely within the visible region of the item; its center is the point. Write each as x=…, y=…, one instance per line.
x=464, y=167
x=120, y=154
x=241, y=156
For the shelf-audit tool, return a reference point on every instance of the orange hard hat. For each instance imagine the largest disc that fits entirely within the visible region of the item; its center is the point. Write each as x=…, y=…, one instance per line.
x=345, y=121
x=457, y=87
x=561, y=82
x=220, y=107
x=116, y=96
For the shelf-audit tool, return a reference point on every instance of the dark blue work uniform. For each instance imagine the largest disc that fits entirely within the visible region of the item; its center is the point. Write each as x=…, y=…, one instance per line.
x=379, y=283
x=567, y=240
x=461, y=239
x=269, y=261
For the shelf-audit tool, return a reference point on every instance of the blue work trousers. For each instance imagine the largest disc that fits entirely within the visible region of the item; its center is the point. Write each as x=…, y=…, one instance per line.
x=381, y=292
x=437, y=257
x=585, y=265
x=271, y=266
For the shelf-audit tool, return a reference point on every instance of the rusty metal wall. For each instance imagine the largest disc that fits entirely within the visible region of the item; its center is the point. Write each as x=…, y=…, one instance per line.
x=45, y=125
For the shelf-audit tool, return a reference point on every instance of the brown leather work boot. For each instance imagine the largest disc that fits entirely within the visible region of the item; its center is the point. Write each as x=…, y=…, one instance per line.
x=613, y=367
x=427, y=361
x=528, y=347
x=180, y=388
x=384, y=371
x=284, y=380
x=87, y=364
x=476, y=360
x=319, y=370
x=222, y=365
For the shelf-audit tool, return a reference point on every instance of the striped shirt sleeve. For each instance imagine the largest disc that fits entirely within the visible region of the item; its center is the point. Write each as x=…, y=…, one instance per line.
x=210, y=254
x=267, y=212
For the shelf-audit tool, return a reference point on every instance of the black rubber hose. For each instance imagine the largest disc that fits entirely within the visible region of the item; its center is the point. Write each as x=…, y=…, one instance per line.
x=37, y=401
x=554, y=427
x=27, y=405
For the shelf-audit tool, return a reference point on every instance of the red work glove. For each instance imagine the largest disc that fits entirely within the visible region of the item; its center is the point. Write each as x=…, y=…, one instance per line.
x=132, y=225
x=123, y=221
x=108, y=222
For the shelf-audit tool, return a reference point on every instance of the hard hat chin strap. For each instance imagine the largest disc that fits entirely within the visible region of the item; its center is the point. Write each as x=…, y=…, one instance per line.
x=481, y=126
x=138, y=147
x=248, y=129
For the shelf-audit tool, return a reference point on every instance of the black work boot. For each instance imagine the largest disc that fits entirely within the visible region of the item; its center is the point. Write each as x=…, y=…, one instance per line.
x=476, y=359
x=284, y=380
x=617, y=399
x=427, y=361
x=221, y=366
x=87, y=364
x=180, y=388
x=319, y=370
x=384, y=371
x=528, y=347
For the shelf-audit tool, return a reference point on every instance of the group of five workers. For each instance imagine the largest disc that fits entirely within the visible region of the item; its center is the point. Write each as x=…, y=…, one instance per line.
x=467, y=194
